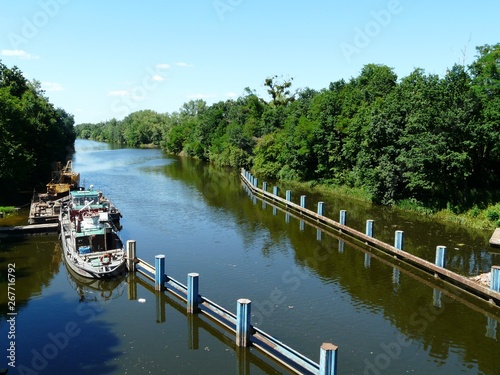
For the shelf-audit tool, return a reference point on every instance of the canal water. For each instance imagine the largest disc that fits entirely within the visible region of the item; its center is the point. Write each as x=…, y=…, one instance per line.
x=306, y=287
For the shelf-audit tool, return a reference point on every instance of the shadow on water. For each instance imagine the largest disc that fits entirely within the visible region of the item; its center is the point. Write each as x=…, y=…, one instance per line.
x=50, y=334
x=66, y=338
x=34, y=262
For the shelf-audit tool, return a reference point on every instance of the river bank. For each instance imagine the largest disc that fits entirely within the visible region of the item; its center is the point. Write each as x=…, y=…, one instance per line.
x=487, y=218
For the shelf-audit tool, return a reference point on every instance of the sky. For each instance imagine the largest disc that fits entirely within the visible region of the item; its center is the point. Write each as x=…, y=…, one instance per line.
x=105, y=59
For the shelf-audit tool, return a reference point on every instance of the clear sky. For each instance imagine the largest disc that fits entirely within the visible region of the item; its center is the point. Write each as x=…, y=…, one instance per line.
x=105, y=59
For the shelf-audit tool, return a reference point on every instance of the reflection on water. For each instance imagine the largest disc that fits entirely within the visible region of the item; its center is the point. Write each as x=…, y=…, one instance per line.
x=93, y=290
x=306, y=288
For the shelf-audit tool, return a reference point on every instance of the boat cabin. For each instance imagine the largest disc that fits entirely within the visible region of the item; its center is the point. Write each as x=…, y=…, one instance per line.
x=87, y=200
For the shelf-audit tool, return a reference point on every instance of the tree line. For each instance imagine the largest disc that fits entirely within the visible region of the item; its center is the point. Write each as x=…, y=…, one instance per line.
x=34, y=135
x=427, y=140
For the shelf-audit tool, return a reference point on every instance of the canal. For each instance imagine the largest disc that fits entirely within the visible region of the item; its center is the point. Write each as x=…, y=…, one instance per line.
x=385, y=317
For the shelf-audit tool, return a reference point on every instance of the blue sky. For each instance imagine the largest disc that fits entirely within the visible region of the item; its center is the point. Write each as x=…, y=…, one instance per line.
x=105, y=59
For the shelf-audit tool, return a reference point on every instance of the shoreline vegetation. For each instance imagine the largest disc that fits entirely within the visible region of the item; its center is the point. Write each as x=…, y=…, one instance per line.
x=485, y=219
x=34, y=135
x=423, y=142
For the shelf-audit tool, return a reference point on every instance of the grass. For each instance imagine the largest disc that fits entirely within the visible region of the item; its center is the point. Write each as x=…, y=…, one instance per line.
x=7, y=209
x=477, y=218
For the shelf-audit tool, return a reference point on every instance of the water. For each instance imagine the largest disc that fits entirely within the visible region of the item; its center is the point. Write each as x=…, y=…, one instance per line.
x=385, y=317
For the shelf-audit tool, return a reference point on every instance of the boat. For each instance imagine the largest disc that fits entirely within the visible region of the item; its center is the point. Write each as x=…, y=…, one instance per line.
x=63, y=180
x=45, y=207
x=91, y=245
x=99, y=202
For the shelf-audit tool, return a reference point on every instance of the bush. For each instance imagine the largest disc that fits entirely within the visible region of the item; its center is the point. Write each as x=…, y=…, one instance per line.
x=492, y=214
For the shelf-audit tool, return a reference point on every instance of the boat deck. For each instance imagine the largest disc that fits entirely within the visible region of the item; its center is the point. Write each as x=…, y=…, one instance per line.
x=45, y=210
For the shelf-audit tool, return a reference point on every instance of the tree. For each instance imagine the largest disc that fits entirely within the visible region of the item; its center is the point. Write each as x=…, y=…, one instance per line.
x=485, y=73
x=33, y=134
x=279, y=90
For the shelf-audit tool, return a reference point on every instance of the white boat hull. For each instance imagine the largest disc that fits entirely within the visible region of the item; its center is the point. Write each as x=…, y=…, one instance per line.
x=96, y=265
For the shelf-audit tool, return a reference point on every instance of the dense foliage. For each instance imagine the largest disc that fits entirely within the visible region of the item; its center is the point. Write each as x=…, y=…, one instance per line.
x=33, y=134
x=424, y=139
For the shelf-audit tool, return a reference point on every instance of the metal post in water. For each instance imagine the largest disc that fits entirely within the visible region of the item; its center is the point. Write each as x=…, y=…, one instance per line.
x=399, y=239
x=303, y=201
x=192, y=293
x=328, y=359
x=369, y=228
x=255, y=182
x=321, y=208
x=288, y=195
x=243, y=313
x=159, y=272
x=343, y=217
x=275, y=190
x=264, y=186
x=495, y=278
x=440, y=256
x=131, y=254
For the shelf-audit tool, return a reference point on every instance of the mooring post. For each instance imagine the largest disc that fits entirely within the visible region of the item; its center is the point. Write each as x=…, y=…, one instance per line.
x=328, y=359
x=243, y=313
x=343, y=217
x=321, y=208
x=303, y=201
x=264, y=186
x=495, y=278
x=369, y=228
x=399, y=240
x=275, y=190
x=131, y=254
x=159, y=272
x=256, y=182
x=288, y=195
x=440, y=256
x=192, y=293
